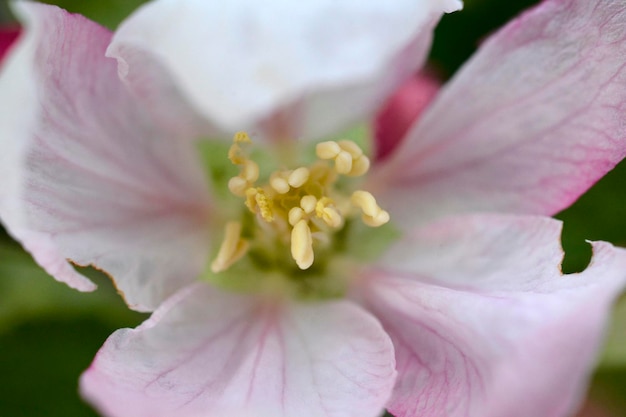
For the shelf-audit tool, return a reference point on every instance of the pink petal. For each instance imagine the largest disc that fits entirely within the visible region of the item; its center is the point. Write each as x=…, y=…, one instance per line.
x=483, y=322
x=401, y=110
x=87, y=175
x=245, y=64
x=208, y=353
x=529, y=124
x=7, y=38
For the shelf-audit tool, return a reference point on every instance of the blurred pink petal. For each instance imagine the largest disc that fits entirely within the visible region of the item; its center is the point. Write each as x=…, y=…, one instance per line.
x=7, y=37
x=402, y=110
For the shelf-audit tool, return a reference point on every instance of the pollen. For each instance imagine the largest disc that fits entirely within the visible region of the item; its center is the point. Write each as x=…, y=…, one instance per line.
x=300, y=208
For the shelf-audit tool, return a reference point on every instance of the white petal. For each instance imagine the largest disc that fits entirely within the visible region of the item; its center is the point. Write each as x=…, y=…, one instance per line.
x=324, y=62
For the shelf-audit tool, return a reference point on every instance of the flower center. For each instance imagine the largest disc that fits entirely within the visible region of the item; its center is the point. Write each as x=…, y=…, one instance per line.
x=296, y=210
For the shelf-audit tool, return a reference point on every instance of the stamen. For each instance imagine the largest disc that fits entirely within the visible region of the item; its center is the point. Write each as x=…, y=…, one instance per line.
x=373, y=215
x=250, y=171
x=331, y=217
x=232, y=248
x=296, y=203
x=325, y=210
x=235, y=154
x=343, y=162
x=259, y=203
x=376, y=221
x=321, y=205
x=298, y=177
x=322, y=174
x=366, y=202
x=350, y=147
x=308, y=203
x=279, y=183
x=327, y=150
x=302, y=245
x=238, y=186
x=360, y=166
x=265, y=205
x=295, y=215
x=348, y=156
x=241, y=137
x=251, y=199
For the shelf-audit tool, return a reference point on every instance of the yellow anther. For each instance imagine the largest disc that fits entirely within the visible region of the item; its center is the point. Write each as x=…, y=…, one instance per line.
x=321, y=205
x=251, y=199
x=359, y=166
x=250, y=171
x=232, y=248
x=241, y=137
x=295, y=215
x=308, y=203
x=258, y=202
x=327, y=150
x=351, y=147
x=264, y=204
x=235, y=154
x=381, y=218
x=373, y=215
x=332, y=217
x=238, y=186
x=343, y=162
x=322, y=174
x=348, y=156
x=325, y=209
x=298, y=177
x=279, y=183
x=366, y=202
x=302, y=245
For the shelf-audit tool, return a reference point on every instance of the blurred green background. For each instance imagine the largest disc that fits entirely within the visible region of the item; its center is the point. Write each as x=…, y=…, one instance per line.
x=49, y=333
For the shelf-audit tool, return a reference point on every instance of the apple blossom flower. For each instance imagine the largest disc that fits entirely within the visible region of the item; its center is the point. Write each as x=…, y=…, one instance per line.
x=307, y=282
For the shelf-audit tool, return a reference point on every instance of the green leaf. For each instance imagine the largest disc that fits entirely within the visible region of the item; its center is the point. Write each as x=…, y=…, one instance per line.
x=614, y=354
x=108, y=13
x=40, y=365
x=600, y=214
x=28, y=292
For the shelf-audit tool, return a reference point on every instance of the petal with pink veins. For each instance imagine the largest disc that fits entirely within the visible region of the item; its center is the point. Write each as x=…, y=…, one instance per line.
x=208, y=353
x=247, y=63
x=530, y=123
x=484, y=323
x=87, y=175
